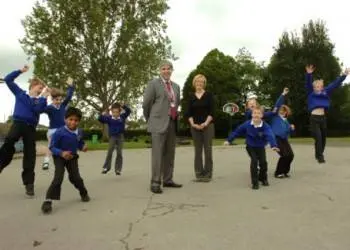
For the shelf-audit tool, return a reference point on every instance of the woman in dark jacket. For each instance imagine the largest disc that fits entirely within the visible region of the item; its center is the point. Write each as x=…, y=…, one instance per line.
x=200, y=116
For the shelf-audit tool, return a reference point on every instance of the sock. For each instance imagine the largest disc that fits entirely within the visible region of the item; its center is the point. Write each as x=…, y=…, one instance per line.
x=46, y=159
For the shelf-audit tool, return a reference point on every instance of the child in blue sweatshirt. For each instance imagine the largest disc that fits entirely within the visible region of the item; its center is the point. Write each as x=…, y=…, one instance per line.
x=252, y=103
x=258, y=133
x=65, y=143
x=28, y=107
x=116, y=127
x=56, y=111
x=318, y=101
x=282, y=129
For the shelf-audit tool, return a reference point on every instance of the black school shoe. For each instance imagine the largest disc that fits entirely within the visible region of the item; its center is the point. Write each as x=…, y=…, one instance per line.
x=255, y=186
x=286, y=175
x=156, y=190
x=85, y=198
x=265, y=183
x=172, y=184
x=30, y=190
x=104, y=171
x=46, y=207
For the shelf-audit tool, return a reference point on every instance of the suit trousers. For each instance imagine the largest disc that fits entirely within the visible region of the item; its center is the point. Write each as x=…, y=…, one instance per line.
x=163, y=155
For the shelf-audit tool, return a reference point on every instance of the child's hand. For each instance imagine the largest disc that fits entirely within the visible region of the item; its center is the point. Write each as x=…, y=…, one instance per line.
x=292, y=126
x=67, y=155
x=347, y=71
x=25, y=68
x=46, y=92
x=70, y=81
x=310, y=69
x=285, y=91
x=226, y=143
x=275, y=149
x=85, y=148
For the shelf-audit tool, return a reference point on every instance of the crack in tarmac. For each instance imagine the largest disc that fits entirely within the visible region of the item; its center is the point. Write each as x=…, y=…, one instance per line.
x=155, y=207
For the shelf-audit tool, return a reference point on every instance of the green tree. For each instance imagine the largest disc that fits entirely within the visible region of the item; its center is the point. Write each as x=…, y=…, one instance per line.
x=229, y=79
x=287, y=69
x=111, y=48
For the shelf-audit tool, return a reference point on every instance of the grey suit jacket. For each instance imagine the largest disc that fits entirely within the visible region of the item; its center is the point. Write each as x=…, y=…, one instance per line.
x=156, y=105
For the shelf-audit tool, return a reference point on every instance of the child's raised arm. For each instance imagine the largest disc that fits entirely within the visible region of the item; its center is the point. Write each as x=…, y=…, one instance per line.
x=103, y=118
x=126, y=113
x=337, y=82
x=70, y=92
x=308, y=78
x=10, y=80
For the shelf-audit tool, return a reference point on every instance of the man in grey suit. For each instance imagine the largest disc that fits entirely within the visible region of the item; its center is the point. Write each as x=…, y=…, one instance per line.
x=160, y=103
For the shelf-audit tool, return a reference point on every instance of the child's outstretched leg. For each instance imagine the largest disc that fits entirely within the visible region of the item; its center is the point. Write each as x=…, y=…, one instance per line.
x=254, y=173
x=119, y=157
x=29, y=158
x=108, y=161
x=54, y=191
x=8, y=148
x=261, y=154
x=75, y=178
x=318, y=127
x=46, y=163
x=286, y=158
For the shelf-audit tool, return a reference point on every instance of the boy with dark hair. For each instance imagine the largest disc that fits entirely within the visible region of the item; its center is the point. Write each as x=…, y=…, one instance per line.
x=257, y=133
x=65, y=143
x=116, y=128
x=28, y=107
x=55, y=112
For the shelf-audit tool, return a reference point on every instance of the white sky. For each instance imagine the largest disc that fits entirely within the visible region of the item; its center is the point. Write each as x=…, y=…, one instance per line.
x=196, y=27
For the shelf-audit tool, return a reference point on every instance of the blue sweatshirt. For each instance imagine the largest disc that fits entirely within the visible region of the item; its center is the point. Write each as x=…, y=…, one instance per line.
x=256, y=137
x=267, y=114
x=66, y=140
x=116, y=126
x=321, y=100
x=27, y=108
x=56, y=115
x=280, y=127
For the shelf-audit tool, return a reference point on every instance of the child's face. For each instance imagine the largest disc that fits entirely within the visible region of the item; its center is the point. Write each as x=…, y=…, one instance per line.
x=115, y=113
x=57, y=100
x=282, y=112
x=318, y=85
x=72, y=122
x=257, y=115
x=36, y=89
x=251, y=103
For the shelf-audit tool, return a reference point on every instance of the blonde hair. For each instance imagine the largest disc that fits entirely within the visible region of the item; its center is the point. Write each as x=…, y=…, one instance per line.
x=56, y=92
x=35, y=81
x=317, y=81
x=259, y=108
x=197, y=77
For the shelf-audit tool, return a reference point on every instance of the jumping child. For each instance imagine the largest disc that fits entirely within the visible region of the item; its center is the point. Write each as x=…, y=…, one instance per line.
x=65, y=143
x=55, y=112
x=28, y=107
x=282, y=129
x=318, y=100
x=116, y=128
x=258, y=133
